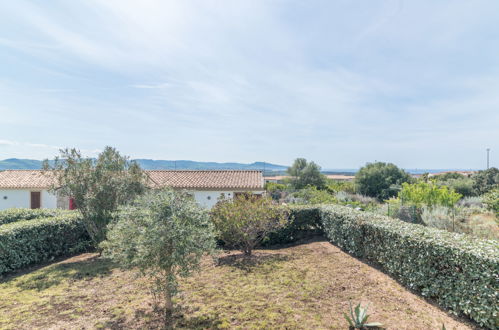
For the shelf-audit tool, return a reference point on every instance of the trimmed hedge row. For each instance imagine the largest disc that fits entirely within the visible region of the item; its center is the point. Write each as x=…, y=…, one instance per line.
x=28, y=242
x=15, y=214
x=304, y=221
x=461, y=273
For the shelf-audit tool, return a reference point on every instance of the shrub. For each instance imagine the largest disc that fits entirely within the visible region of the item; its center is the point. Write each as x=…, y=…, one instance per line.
x=463, y=186
x=20, y=214
x=485, y=181
x=472, y=201
x=245, y=221
x=24, y=243
x=428, y=194
x=380, y=180
x=98, y=186
x=305, y=174
x=303, y=222
x=491, y=200
x=163, y=234
x=337, y=186
x=458, y=271
x=440, y=217
x=312, y=195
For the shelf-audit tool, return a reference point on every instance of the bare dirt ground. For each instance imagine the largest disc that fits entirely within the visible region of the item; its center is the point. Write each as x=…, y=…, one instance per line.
x=307, y=286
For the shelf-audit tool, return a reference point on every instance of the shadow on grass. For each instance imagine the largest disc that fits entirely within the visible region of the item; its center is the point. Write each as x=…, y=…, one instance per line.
x=71, y=271
x=155, y=319
x=249, y=263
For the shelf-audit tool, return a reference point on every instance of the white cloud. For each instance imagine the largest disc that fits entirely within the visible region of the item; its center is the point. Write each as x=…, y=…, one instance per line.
x=253, y=80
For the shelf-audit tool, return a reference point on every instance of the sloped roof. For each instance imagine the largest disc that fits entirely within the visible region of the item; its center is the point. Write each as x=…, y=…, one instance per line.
x=213, y=179
x=24, y=179
x=182, y=179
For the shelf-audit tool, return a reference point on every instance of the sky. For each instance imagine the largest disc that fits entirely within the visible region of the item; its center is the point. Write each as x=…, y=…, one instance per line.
x=342, y=82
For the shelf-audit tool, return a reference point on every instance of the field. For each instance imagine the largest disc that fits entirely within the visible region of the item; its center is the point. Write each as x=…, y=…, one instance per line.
x=299, y=287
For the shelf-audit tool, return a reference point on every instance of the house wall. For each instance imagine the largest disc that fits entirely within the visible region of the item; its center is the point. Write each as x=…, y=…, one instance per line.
x=21, y=198
x=208, y=198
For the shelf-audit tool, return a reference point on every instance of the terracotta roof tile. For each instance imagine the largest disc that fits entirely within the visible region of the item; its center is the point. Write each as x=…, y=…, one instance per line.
x=24, y=179
x=213, y=179
x=181, y=179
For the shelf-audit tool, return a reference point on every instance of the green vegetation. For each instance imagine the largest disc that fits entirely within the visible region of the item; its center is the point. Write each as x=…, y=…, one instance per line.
x=459, y=183
x=485, y=181
x=492, y=201
x=301, y=287
x=358, y=318
x=305, y=174
x=243, y=222
x=164, y=235
x=97, y=186
x=459, y=272
x=312, y=195
x=18, y=214
x=28, y=242
x=303, y=222
x=380, y=180
x=428, y=194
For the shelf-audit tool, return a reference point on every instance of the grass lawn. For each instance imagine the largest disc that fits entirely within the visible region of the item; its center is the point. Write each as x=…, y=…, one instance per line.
x=306, y=286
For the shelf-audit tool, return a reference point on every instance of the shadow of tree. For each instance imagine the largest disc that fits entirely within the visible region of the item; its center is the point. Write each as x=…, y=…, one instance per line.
x=49, y=276
x=249, y=263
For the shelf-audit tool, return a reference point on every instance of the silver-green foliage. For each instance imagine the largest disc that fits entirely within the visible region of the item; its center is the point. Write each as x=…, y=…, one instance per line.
x=358, y=318
x=24, y=243
x=164, y=235
x=21, y=214
x=98, y=186
x=460, y=272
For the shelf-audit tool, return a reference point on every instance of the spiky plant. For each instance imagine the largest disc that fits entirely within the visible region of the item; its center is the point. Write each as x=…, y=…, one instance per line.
x=358, y=318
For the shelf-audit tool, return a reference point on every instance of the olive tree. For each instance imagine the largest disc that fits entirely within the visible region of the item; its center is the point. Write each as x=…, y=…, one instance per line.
x=485, y=181
x=380, y=180
x=163, y=234
x=98, y=186
x=305, y=174
x=243, y=222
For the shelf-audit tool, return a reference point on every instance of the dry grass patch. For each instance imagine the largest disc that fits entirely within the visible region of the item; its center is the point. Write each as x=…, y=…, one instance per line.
x=306, y=286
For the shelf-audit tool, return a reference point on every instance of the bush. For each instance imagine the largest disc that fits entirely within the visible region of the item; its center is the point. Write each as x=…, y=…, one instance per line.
x=473, y=201
x=164, y=234
x=485, y=181
x=24, y=243
x=440, y=217
x=380, y=180
x=305, y=174
x=492, y=201
x=463, y=186
x=303, y=222
x=19, y=214
x=459, y=272
x=243, y=222
x=97, y=186
x=428, y=194
x=312, y=195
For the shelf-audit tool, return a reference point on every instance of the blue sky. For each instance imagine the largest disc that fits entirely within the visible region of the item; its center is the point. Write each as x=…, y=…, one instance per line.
x=345, y=82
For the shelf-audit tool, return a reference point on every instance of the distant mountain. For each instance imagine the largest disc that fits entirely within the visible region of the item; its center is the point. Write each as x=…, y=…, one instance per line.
x=20, y=164
x=150, y=164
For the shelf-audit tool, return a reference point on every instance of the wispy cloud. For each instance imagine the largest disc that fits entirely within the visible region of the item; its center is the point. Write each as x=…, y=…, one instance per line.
x=339, y=82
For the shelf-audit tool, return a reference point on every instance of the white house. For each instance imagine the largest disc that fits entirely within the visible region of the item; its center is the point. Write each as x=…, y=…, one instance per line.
x=208, y=186
x=30, y=188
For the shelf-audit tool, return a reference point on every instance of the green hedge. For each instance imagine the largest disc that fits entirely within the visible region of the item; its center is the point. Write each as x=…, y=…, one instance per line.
x=15, y=214
x=461, y=273
x=304, y=221
x=28, y=242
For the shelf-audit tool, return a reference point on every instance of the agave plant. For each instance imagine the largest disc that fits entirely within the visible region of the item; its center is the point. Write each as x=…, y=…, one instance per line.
x=358, y=318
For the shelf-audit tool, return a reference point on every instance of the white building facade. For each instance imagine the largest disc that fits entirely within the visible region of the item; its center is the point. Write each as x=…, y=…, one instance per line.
x=30, y=188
